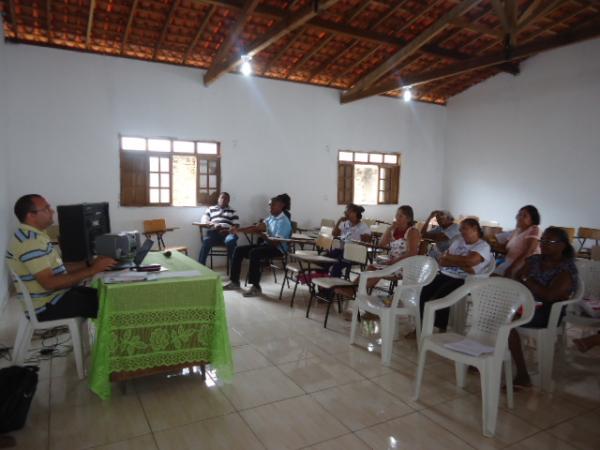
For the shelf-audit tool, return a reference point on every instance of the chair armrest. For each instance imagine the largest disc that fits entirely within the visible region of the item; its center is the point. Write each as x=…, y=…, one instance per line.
x=556, y=310
x=432, y=306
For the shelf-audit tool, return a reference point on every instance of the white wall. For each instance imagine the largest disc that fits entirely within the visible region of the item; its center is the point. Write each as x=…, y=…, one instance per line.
x=534, y=138
x=5, y=210
x=68, y=108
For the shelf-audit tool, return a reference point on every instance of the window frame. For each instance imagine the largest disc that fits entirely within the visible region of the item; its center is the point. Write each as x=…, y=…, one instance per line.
x=391, y=191
x=207, y=196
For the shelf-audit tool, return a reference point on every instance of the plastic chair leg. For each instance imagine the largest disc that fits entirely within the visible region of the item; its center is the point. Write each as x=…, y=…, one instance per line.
x=508, y=380
x=22, y=341
x=490, y=393
x=547, y=362
x=420, y=370
x=387, y=338
x=354, y=324
x=77, y=348
x=283, y=284
x=460, y=370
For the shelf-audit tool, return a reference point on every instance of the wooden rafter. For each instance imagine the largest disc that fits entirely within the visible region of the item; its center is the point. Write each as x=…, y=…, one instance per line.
x=481, y=62
x=90, y=23
x=545, y=9
x=285, y=26
x=199, y=33
x=282, y=51
x=49, y=20
x=310, y=54
x=477, y=28
x=350, y=17
x=533, y=6
x=411, y=47
x=13, y=16
x=163, y=34
x=331, y=61
x=393, y=10
x=128, y=27
x=215, y=69
x=357, y=63
x=501, y=13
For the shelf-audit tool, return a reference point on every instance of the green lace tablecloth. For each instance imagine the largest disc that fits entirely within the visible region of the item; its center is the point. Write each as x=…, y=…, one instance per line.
x=166, y=322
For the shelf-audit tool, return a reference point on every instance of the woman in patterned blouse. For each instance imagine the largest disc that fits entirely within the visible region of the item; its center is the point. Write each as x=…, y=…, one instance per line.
x=551, y=277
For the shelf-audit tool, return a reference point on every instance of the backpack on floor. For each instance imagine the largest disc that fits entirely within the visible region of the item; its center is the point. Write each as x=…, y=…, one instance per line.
x=17, y=388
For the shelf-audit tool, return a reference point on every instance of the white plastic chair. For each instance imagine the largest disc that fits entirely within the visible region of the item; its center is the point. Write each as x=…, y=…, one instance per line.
x=417, y=271
x=545, y=339
x=459, y=314
x=494, y=304
x=27, y=325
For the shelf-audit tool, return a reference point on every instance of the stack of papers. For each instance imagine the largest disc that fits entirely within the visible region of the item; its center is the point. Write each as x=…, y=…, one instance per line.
x=131, y=276
x=469, y=347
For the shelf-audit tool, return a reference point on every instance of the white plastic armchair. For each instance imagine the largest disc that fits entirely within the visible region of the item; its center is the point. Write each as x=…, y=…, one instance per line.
x=489, y=269
x=417, y=271
x=495, y=302
x=545, y=339
x=28, y=323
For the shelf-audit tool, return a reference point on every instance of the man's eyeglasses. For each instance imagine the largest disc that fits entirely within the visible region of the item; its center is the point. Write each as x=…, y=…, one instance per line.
x=45, y=209
x=549, y=241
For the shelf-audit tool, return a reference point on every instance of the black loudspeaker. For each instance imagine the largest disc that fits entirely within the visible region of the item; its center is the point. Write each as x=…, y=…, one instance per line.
x=78, y=227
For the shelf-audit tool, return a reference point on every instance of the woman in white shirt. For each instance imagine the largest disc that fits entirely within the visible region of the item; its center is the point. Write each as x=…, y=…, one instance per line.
x=468, y=254
x=348, y=228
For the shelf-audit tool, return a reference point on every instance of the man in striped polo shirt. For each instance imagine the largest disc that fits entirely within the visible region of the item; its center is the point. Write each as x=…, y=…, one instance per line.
x=225, y=222
x=34, y=259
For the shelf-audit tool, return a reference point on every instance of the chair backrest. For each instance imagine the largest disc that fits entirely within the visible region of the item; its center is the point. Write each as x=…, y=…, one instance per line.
x=588, y=233
x=154, y=225
x=489, y=231
x=368, y=222
x=379, y=228
x=24, y=296
x=589, y=273
x=328, y=223
x=324, y=242
x=595, y=253
x=355, y=253
x=417, y=271
x=570, y=232
x=327, y=231
x=494, y=303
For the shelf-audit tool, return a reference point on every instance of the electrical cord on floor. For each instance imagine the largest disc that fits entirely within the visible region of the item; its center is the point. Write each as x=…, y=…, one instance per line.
x=55, y=343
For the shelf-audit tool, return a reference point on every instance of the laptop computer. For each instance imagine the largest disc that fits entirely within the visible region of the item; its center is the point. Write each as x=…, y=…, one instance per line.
x=140, y=254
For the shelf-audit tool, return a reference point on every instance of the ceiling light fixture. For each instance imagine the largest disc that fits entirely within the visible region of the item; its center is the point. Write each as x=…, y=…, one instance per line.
x=407, y=96
x=246, y=68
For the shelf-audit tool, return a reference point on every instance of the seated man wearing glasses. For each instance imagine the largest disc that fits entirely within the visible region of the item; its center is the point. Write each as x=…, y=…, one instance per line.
x=276, y=225
x=54, y=290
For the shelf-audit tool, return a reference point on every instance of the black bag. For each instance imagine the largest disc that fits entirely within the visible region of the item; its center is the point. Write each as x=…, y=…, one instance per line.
x=17, y=388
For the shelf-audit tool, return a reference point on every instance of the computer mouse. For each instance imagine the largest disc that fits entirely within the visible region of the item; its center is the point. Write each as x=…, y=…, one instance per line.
x=168, y=253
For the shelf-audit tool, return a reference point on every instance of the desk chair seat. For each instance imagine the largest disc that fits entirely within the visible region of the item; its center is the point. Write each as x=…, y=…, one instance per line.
x=28, y=323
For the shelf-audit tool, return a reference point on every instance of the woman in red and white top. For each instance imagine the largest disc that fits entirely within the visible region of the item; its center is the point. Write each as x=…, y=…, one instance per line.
x=402, y=238
x=522, y=243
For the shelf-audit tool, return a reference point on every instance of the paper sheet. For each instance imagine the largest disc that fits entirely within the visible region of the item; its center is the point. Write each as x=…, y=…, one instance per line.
x=469, y=347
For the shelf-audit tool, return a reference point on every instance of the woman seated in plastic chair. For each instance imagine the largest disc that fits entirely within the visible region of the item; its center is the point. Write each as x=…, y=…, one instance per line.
x=551, y=277
x=469, y=254
x=348, y=228
x=522, y=242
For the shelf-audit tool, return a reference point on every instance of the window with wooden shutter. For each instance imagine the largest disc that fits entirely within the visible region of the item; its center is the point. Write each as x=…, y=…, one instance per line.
x=169, y=172
x=368, y=178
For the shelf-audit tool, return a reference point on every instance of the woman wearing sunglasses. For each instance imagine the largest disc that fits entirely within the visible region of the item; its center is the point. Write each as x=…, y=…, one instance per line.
x=551, y=276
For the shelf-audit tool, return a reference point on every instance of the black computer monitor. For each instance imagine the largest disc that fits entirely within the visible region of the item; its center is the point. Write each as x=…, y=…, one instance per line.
x=79, y=225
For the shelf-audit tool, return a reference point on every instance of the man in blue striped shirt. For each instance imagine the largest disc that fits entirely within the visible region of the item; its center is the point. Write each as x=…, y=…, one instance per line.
x=34, y=259
x=224, y=221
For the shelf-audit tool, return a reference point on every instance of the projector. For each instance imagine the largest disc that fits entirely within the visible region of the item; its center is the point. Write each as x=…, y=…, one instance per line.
x=121, y=246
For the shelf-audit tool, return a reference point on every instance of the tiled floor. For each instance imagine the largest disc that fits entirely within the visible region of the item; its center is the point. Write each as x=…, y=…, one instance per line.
x=298, y=385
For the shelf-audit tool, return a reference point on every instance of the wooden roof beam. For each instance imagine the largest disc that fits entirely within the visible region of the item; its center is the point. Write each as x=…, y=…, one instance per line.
x=203, y=25
x=163, y=34
x=285, y=26
x=215, y=69
x=507, y=13
x=128, y=27
x=90, y=24
x=410, y=48
x=49, y=20
x=477, y=28
x=310, y=54
x=480, y=62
